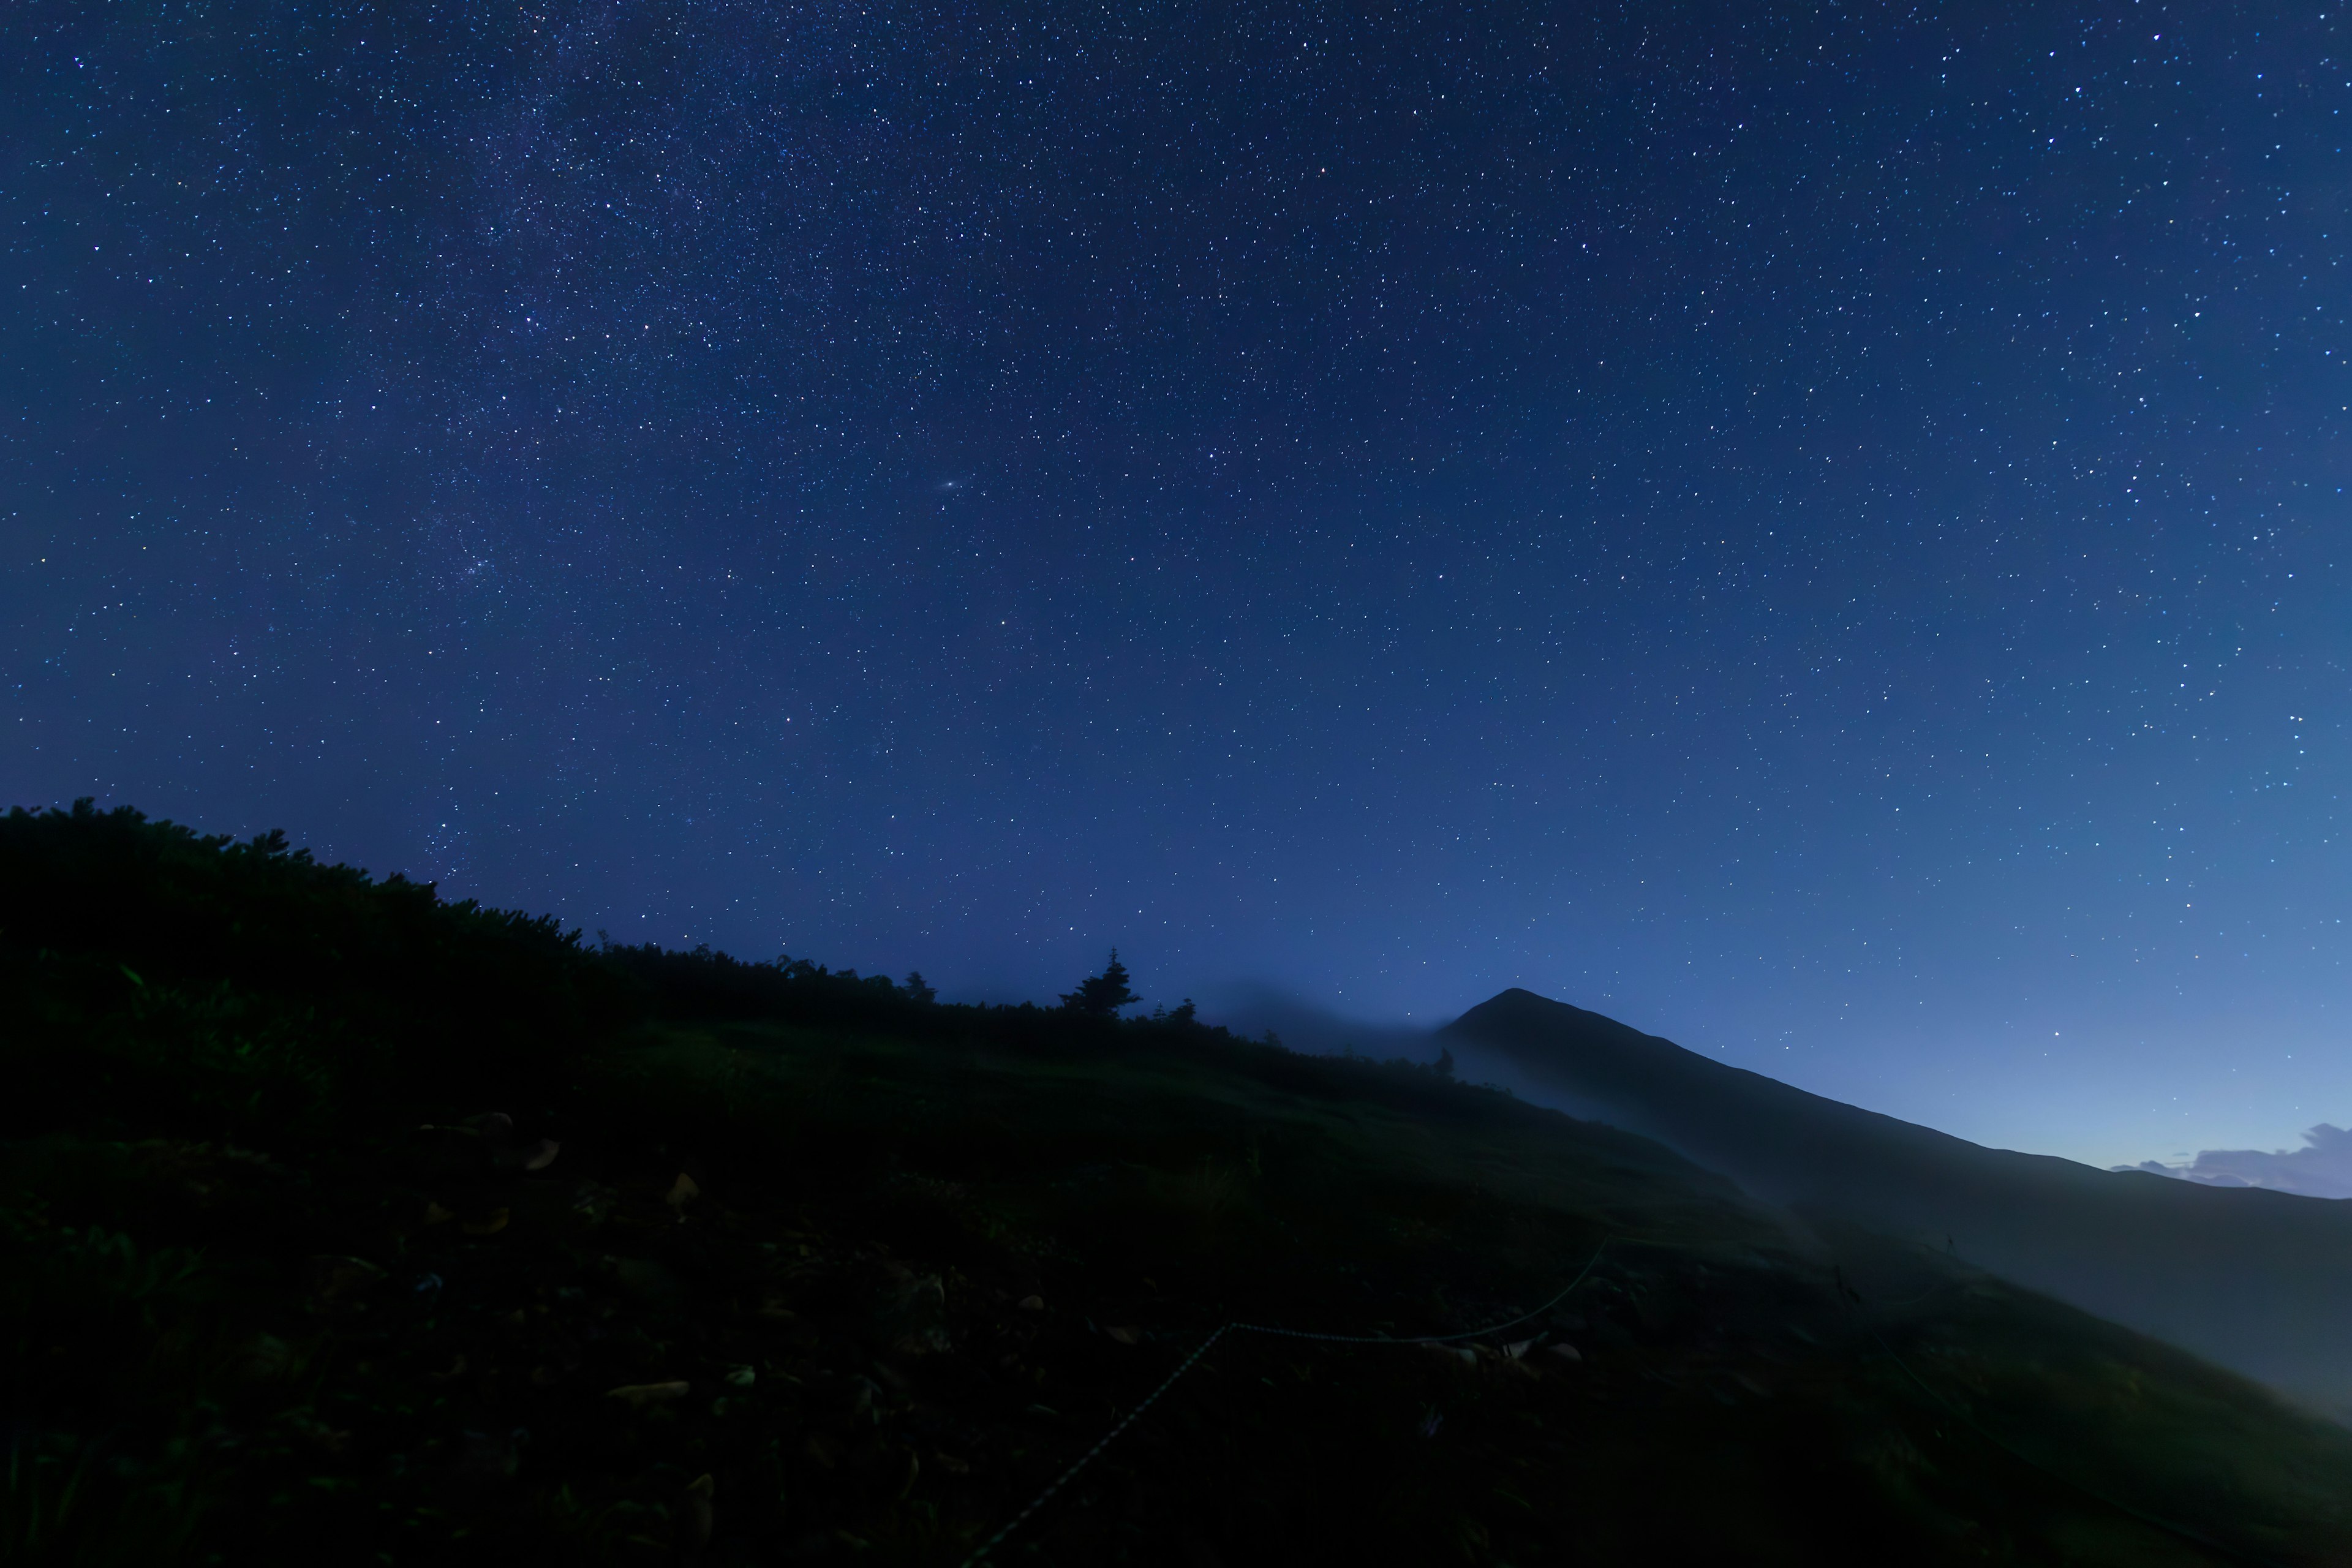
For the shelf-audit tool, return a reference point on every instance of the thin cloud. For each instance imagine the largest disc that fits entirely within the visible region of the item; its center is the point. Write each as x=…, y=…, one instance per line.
x=2321, y=1169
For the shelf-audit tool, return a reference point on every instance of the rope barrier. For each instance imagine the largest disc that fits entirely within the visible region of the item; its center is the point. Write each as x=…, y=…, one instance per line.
x=1433, y=1339
x=1041, y=1498
x=2178, y=1531
x=994, y=1541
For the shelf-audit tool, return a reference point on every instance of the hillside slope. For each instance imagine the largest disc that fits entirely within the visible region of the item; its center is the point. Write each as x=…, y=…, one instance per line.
x=2257, y=1280
x=339, y=1224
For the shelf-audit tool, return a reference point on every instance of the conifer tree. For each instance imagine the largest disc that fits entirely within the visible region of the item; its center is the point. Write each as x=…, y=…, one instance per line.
x=1102, y=995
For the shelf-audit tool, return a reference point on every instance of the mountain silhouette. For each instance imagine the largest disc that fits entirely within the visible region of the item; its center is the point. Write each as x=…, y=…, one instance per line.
x=2260, y=1281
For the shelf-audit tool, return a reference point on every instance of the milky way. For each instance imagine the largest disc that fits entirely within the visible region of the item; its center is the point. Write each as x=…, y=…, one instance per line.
x=1812, y=529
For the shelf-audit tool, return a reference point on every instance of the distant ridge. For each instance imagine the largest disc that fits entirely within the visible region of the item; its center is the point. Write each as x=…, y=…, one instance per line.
x=2257, y=1280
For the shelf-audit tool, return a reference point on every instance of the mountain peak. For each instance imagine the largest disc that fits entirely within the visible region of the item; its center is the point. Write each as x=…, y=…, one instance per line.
x=1518, y=1001
x=2251, y=1278
x=1508, y=1014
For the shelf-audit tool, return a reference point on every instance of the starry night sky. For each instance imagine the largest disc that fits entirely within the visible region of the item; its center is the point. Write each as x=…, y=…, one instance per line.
x=1811, y=529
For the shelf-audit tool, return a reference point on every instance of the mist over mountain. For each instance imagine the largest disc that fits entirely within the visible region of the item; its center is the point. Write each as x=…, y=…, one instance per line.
x=2321, y=1169
x=1254, y=1007
x=2253, y=1278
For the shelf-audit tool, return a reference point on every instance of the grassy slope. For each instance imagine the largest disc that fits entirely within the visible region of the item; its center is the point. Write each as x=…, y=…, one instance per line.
x=239, y=1326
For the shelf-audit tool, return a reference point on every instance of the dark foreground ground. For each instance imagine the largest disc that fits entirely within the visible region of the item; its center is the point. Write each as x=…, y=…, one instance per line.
x=345, y=1225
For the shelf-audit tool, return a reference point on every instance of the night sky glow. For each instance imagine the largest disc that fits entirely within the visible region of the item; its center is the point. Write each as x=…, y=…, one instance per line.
x=1815, y=530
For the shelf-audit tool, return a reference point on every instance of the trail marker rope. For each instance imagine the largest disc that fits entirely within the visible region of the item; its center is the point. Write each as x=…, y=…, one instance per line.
x=994, y=1541
x=1066, y=1477
x=2178, y=1531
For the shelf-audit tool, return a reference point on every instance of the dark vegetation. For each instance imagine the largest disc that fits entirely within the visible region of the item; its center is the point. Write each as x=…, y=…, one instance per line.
x=344, y=1225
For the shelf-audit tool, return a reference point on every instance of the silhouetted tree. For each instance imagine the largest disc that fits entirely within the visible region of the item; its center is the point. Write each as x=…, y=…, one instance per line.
x=1444, y=1066
x=924, y=993
x=1102, y=995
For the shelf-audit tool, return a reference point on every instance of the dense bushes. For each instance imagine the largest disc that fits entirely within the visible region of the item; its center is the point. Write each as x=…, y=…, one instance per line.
x=164, y=982
x=150, y=966
x=706, y=984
